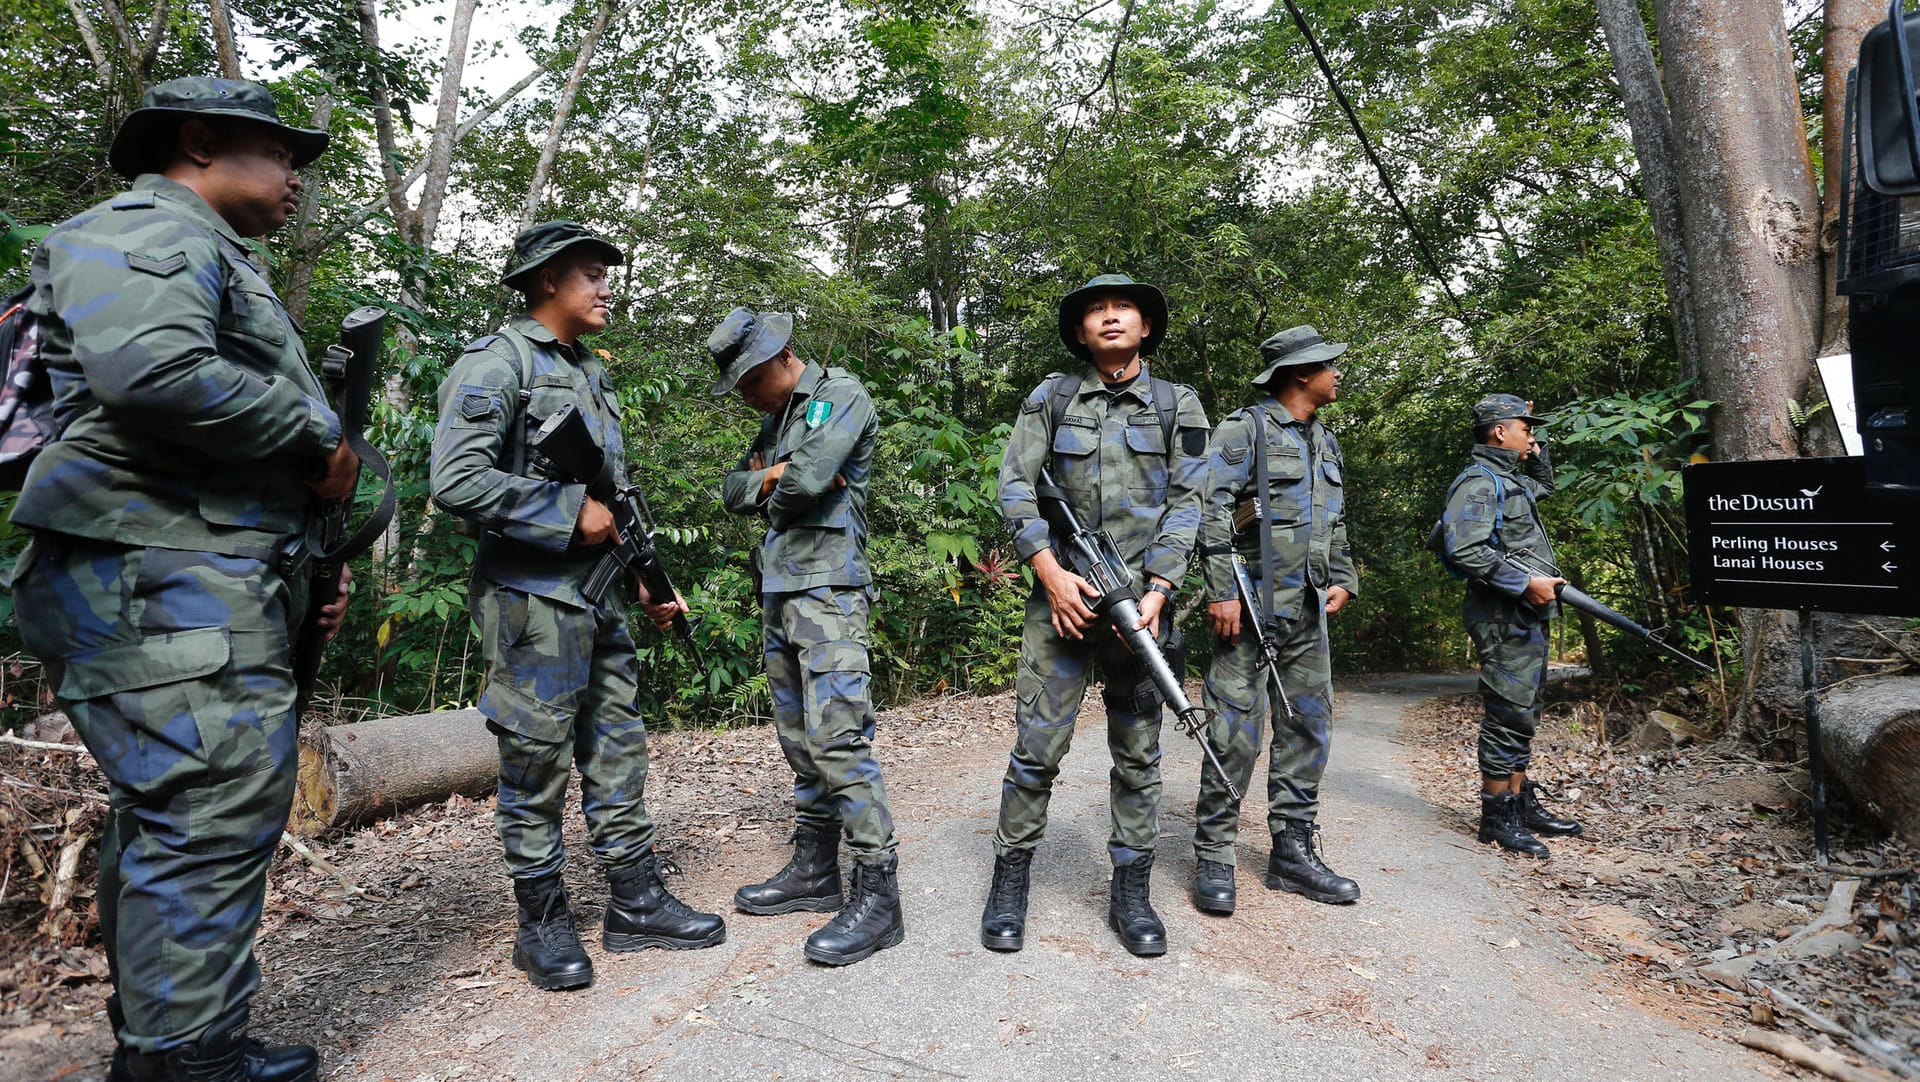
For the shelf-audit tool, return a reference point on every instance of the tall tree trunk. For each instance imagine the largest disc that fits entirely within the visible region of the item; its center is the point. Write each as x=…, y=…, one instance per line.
x=1846, y=22
x=297, y=290
x=102, y=66
x=1652, y=128
x=1749, y=220
x=221, y=22
x=150, y=47
x=440, y=152
x=383, y=131
x=562, y=109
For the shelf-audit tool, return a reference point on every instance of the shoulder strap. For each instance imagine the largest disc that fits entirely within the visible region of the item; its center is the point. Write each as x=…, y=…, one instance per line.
x=523, y=352
x=1499, y=503
x=1065, y=386
x=1166, y=404
x=1262, y=500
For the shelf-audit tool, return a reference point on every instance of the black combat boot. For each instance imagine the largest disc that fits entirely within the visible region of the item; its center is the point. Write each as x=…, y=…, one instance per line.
x=1003, y=927
x=547, y=946
x=222, y=1054
x=870, y=922
x=1536, y=818
x=1129, y=911
x=264, y=1062
x=809, y=883
x=642, y=913
x=1213, y=890
x=1500, y=822
x=1296, y=866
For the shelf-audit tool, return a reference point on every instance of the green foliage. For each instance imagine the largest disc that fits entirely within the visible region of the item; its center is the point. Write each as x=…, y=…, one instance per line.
x=921, y=182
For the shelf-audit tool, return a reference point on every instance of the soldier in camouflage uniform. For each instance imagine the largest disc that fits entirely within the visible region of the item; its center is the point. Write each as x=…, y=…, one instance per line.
x=1302, y=572
x=165, y=575
x=561, y=674
x=1129, y=450
x=1493, y=537
x=807, y=473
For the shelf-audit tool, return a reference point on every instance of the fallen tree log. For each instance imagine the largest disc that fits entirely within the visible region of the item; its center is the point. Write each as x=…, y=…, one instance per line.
x=1870, y=732
x=353, y=774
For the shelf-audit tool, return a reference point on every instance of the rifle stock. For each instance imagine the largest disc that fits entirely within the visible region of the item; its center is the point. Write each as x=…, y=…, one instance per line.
x=347, y=371
x=1094, y=557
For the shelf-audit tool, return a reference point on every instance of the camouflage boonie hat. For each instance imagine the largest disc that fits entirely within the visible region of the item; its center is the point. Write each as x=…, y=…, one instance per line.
x=145, y=140
x=1073, y=308
x=745, y=340
x=1295, y=345
x=1503, y=407
x=541, y=241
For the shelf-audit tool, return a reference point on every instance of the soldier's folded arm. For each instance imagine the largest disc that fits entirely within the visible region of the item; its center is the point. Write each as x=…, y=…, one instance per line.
x=477, y=407
x=821, y=452
x=1470, y=539
x=146, y=343
x=1341, y=570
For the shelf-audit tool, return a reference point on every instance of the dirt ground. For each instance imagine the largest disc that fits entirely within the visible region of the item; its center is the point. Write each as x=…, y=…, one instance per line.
x=1694, y=875
x=1696, y=882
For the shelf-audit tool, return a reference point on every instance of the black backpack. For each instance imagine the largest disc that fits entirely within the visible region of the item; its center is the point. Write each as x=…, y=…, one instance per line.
x=26, y=398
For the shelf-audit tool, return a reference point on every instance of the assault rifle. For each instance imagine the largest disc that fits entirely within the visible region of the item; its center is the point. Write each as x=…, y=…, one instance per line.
x=347, y=370
x=1262, y=635
x=1577, y=598
x=1094, y=557
x=565, y=448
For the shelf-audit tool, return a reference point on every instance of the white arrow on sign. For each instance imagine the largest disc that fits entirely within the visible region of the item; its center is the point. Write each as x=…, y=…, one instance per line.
x=1889, y=568
x=1887, y=546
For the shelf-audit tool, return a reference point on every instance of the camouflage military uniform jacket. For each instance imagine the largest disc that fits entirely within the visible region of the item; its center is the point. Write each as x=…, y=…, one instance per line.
x=187, y=412
x=1494, y=584
x=1306, y=511
x=486, y=417
x=816, y=532
x=1110, y=454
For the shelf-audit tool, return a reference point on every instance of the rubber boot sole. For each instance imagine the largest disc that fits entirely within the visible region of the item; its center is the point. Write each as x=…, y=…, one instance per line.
x=1012, y=942
x=1293, y=886
x=1219, y=907
x=622, y=942
x=1542, y=854
x=547, y=983
x=1138, y=950
x=833, y=958
x=791, y=905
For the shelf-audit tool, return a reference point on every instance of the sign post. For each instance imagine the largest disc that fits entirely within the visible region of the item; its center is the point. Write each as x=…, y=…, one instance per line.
x=1802, y=534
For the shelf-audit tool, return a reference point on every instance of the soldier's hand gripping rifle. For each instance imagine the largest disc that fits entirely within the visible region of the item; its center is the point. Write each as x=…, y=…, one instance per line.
x=1576, y=598
x=1262, y=635
x=565, y=447
x=347, y=370
x=1093, y=556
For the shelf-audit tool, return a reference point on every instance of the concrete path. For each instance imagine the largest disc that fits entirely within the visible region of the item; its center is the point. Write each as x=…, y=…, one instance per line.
x=1433, y=974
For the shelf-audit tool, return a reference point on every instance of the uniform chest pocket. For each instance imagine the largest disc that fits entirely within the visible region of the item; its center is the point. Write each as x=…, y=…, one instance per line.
x=546, y=394
x=1285, y=464
x=1146, y=437
x=252, y=311
x=1147, y=443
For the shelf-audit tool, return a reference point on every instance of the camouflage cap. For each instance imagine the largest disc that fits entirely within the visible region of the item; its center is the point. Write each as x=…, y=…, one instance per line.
x=541, y=241
x=1073, y=308
x=745, y=340
x=144, y=143
x=1295, y=345
x=1503, y=407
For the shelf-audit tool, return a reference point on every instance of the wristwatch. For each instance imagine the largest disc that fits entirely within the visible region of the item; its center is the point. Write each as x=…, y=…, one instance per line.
x=1162, y=589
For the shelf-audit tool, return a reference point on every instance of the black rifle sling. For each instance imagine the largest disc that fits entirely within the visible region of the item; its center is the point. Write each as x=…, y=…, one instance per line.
x=1264, y=500
x=517, y=432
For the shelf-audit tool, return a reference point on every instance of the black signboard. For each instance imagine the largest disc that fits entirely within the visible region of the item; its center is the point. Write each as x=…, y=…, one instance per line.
x=1801, y=533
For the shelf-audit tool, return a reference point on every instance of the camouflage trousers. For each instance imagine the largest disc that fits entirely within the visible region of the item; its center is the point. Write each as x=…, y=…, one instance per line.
x=1513, y=669
x=174, y=668
x=1052, y=681
x=818, y=672
x=1239, y=696
x=561, y=688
